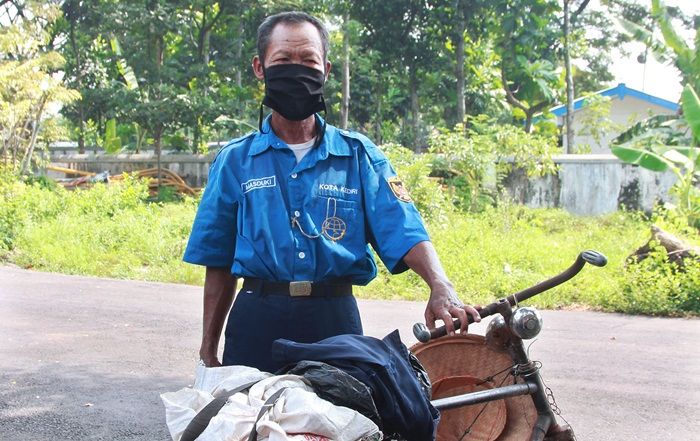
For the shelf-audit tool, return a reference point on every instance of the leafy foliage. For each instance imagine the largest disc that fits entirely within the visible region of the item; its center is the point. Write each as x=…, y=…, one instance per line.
x=670, y=142
x=474, y=162
x=179, y=70
x=28, y=86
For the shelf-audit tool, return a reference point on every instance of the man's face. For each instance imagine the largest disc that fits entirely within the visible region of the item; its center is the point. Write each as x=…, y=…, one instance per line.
x=295, y=44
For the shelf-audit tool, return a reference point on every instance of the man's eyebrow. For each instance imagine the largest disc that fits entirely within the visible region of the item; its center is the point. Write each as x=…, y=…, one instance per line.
x=279, y=52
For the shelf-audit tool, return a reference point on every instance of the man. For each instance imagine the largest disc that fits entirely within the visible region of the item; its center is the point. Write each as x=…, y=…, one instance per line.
x=292, y=209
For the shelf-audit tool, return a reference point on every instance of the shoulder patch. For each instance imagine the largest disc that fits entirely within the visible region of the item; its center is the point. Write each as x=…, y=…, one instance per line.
x=399, y=190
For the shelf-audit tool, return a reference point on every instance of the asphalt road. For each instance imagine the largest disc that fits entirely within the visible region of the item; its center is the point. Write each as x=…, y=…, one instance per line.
x=86, y=359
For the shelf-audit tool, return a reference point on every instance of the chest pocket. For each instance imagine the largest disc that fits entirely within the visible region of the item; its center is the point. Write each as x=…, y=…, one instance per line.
x=329, y=206
x=338, y=216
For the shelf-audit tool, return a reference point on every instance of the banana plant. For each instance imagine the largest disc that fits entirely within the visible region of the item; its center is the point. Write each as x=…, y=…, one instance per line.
x=673, y=146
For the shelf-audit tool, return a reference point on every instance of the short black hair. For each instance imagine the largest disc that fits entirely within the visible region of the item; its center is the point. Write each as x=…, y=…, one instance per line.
x=289, y=18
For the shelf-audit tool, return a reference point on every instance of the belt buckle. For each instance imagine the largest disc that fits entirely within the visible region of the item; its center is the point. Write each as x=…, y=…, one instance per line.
x=300, y=289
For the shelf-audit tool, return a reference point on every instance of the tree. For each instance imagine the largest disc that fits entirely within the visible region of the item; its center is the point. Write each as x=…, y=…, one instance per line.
x=28, y=86
x=569, y=21
x=526, y=40
x=397, y=31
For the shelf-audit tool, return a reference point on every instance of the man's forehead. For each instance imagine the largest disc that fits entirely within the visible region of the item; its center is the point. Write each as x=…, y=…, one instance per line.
x=295, y=34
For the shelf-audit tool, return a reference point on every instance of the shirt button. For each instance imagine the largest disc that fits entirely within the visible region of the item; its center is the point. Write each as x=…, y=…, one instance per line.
x=294, y=175
x=297, y=214
x=302, y=255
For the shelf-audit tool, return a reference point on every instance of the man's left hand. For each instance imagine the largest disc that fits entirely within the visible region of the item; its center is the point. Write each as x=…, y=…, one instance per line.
x=445, y=305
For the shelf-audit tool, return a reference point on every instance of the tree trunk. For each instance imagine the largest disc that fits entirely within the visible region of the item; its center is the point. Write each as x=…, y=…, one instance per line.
x=27, y=160
x=79, y=77
x=239, y=53
x=528, y=120
x=345, y=100
x=569, y=81
x=415, y=108
x=378, y=112
x=157, y=136
x=459, y=48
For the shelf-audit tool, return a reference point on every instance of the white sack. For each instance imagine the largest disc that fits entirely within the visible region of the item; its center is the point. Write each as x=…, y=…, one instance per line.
x=297, y=412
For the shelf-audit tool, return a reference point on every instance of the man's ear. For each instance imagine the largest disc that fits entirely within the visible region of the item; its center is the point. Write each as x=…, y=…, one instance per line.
x=258, y=68
x=328, y=69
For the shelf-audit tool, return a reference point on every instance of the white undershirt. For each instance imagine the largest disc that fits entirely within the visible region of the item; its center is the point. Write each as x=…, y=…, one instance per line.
x=300, y=150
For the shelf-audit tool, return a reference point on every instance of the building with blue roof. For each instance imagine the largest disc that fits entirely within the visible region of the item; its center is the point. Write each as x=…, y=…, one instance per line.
x=627, y=107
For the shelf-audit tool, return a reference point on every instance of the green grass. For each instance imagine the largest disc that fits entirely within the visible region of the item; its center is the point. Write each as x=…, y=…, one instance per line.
x=113, y=231
x=507, y=249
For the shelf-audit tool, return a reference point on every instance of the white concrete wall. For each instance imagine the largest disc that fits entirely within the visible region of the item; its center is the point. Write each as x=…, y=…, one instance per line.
x=592, y=185
x=584, y=185
x=194, y=169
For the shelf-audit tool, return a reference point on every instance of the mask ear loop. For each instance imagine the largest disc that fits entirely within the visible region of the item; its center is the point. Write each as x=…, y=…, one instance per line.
x=260, y=116
x=260, y=120
x=322, y=126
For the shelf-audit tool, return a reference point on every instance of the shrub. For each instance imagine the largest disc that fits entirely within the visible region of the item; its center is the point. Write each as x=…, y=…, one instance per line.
x=474, y=162
x=414, y=170
x=656, y=286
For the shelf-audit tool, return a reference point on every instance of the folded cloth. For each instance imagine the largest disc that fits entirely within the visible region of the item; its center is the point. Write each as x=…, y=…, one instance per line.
x=337, y=386
x=385, y=366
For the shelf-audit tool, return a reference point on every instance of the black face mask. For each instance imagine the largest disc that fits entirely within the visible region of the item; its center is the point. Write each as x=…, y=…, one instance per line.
x=294, y=90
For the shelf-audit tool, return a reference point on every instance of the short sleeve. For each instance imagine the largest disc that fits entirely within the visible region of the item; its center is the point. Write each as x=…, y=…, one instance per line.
x=213, y=238
x=394, y=225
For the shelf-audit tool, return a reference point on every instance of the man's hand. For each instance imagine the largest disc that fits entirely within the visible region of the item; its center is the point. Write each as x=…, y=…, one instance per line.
x=219, y=291
x=444, y=305
x=209, y=360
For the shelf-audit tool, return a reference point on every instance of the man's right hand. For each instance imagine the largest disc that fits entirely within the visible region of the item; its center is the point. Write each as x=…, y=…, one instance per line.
x=210, y=361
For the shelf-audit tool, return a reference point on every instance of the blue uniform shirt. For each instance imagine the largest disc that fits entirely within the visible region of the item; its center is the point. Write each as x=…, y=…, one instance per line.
x=256, y=186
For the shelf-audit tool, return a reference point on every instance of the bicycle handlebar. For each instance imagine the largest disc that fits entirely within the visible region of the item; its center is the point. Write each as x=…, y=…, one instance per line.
x=424, y=335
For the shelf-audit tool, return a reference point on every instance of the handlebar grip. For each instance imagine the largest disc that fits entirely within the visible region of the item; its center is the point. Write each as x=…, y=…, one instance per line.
x=424, y=335
x=594, y=258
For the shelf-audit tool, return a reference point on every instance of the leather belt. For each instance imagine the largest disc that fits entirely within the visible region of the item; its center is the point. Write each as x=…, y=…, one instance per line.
x=332, y=288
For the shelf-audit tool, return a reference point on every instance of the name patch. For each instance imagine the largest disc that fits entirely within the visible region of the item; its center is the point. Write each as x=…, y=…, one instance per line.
x=254, y=184
x=341, y=189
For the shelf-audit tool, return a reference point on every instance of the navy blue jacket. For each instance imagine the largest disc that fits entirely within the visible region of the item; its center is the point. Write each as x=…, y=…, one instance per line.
x=382, y=365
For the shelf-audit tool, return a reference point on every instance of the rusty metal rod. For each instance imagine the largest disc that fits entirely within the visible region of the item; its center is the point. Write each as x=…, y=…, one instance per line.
x=485, y=396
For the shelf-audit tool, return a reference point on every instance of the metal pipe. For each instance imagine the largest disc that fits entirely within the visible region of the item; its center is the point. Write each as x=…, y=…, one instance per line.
x=484, y=396
x=541, y=427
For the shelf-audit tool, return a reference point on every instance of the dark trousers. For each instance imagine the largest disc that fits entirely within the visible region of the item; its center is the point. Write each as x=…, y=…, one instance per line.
x=258, y=319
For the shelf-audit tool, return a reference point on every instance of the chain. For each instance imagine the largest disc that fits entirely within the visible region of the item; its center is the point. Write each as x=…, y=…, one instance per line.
x=295, y=222
x=555, y=408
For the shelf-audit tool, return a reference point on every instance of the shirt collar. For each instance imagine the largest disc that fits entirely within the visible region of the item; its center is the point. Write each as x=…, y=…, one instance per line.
x=329, y=145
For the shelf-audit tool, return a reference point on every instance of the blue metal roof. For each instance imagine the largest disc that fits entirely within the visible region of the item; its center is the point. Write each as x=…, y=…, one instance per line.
x=619, y=91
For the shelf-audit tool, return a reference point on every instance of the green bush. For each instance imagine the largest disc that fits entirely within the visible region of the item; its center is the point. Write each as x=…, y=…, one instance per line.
x=108, y=230
x=414, y=170
x=474, y=161
x=509, y=248
x=658, y=287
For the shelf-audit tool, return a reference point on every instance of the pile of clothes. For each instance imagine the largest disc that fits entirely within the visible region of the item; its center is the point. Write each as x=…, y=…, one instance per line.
x=345, y=388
